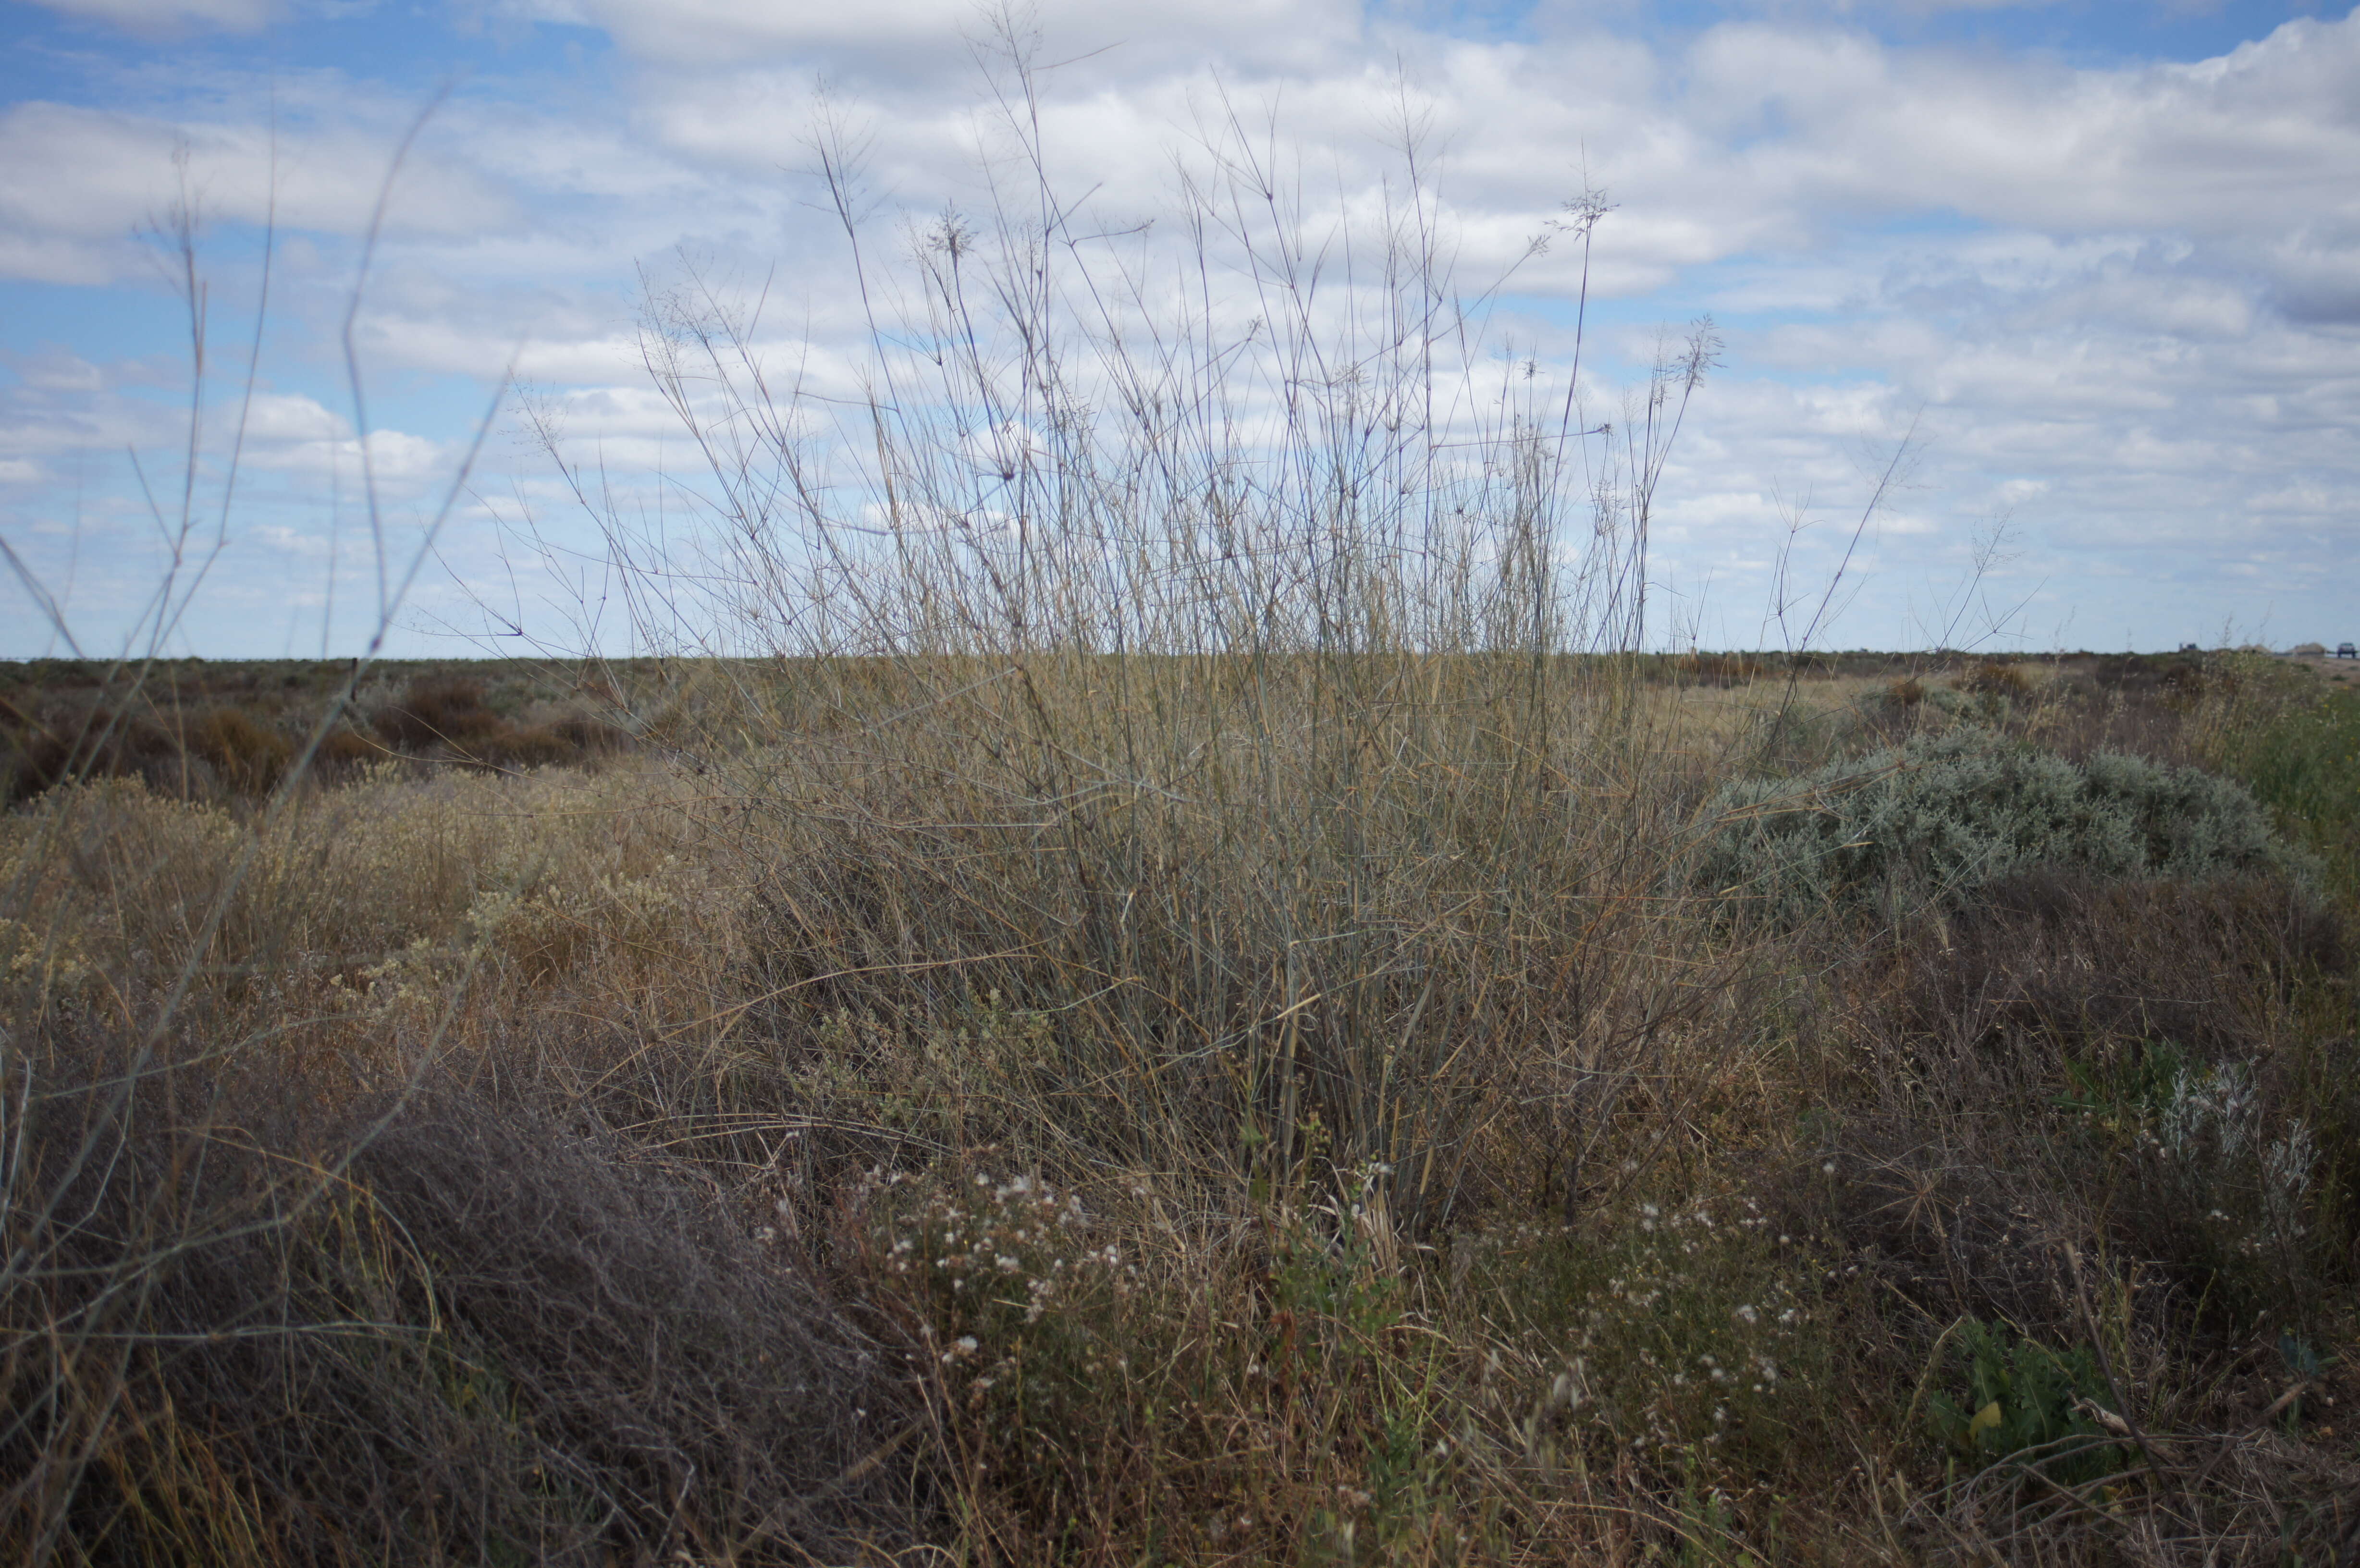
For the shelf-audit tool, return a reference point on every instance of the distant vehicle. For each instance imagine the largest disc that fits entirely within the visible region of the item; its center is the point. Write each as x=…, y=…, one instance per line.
x=2345, y=651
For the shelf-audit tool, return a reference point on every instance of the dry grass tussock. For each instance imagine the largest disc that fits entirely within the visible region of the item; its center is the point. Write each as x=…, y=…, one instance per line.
x=324, y=1240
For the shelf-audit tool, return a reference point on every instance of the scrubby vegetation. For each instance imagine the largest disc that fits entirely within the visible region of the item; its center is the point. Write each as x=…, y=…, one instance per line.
x=220, y=731
x=1936, y=820
x=815, y=1147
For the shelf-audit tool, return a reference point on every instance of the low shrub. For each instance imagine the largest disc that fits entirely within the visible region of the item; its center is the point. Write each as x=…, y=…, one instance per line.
x=570, y=739
x=250, y=757
x=1996, y=678
x=1933, y=820
x=447, y=716
x=437, y=710
x=2305, y=765
x=342, y=751
x=491, y=1337
x=540, y=746
x=2152, y=1071
x=1719, y=669
x=1694, y=1335
x=589, y=736
x=2016, y=1401
x=44, y=751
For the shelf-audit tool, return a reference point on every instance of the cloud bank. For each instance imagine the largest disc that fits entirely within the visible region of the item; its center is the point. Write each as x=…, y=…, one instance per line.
x=2113, y=295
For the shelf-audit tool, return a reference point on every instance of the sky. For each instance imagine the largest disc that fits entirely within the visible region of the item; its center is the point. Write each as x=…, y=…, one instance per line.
x=2039, y=322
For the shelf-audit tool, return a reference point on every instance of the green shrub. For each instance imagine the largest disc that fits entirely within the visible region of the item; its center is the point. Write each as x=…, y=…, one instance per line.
x=2305, y=765
x=2018, y=1399
x=2228, y=1177
x=1935, y=819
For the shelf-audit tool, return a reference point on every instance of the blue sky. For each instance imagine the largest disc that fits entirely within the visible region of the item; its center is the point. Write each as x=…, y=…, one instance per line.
x=2103, y=259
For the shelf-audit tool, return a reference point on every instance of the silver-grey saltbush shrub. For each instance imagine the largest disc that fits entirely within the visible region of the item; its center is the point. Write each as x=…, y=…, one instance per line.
x=1934, y=818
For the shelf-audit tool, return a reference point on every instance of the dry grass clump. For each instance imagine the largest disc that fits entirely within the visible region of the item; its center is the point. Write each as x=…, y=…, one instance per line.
x=1719, y=668
x=1176, y=908
x=350, y=1259
x=329, y=889
x=447, y=717
x=1996, y=678
x=433, y=1327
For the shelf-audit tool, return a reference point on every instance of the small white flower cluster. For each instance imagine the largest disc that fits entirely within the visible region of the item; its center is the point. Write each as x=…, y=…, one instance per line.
x=1691, y=1331
x=996, y=1257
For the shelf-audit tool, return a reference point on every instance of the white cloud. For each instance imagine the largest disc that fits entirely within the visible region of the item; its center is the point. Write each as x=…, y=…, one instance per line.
x=2113, y=296
x=903, y=37
x=76, y=184
x=2209, y=150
